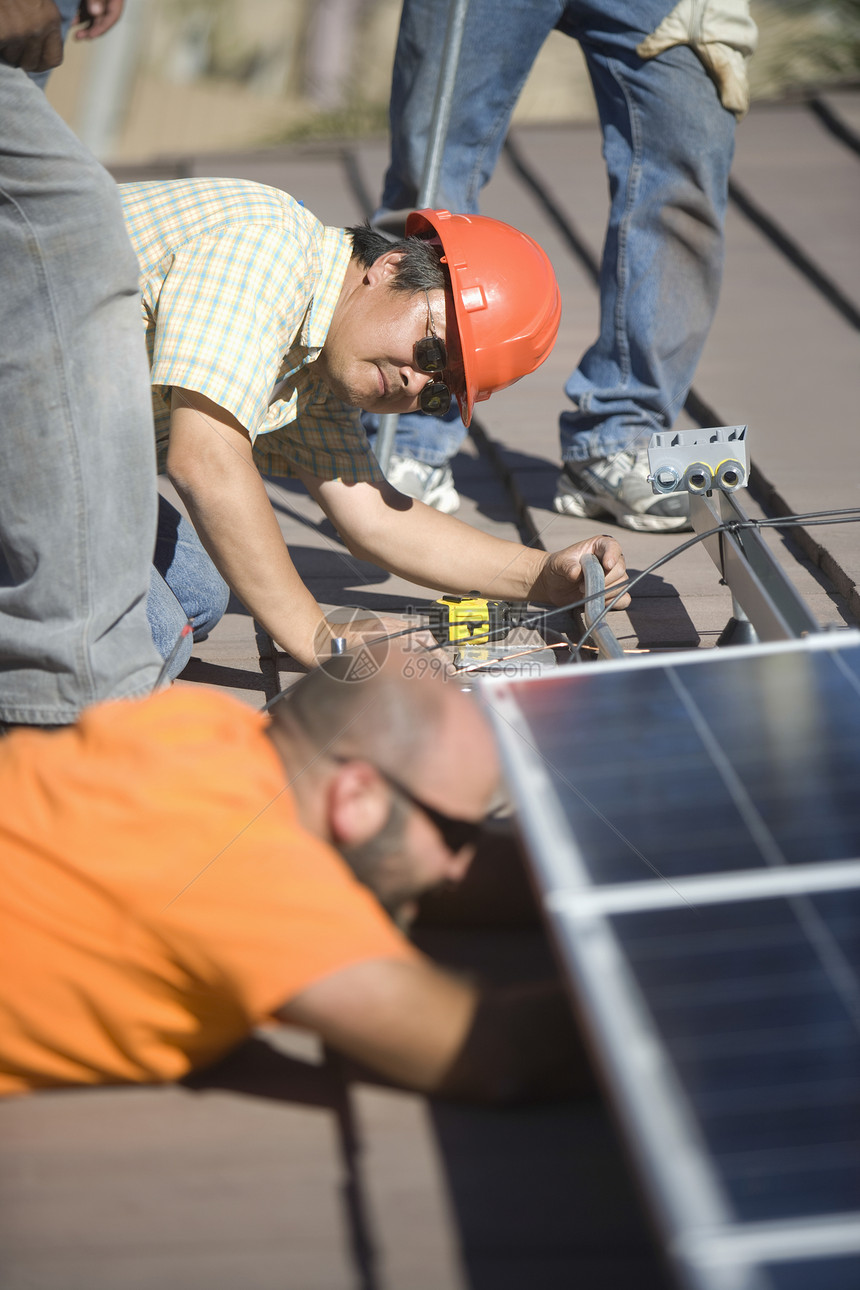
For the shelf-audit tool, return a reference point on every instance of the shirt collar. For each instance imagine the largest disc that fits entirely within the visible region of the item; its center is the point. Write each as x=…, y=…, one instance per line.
x=335, y=255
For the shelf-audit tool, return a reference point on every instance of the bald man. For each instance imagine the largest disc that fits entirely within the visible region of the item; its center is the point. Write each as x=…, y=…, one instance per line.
x=176, y=870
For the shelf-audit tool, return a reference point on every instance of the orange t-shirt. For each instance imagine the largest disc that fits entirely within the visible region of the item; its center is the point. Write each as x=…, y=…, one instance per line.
x=158, y=896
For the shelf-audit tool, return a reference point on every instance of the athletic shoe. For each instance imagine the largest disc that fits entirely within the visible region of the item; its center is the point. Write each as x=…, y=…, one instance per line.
x=433, y=485
x=618, y=487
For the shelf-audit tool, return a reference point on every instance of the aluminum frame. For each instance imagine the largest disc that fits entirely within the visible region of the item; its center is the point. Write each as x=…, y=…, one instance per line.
x=760, y=589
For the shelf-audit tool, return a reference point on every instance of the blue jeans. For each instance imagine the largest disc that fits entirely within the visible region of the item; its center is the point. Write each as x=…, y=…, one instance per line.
x=668, y=145
x=185, y=587
x=77, y=456
x=431, y=439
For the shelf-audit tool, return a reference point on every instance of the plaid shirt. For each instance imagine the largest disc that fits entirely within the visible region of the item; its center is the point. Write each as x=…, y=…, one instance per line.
x=239, y=283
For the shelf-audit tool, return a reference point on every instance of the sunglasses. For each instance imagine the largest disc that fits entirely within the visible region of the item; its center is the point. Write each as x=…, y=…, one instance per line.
x=432, y=357
x=455, y=832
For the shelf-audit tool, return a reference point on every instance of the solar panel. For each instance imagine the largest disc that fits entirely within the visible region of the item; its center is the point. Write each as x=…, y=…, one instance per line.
x=693, y=825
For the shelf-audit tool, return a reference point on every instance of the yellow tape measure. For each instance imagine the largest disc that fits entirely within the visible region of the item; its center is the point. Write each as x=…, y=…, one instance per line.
x=454, y=619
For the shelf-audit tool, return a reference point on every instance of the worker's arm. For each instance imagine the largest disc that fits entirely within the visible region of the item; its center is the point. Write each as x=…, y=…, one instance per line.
x=210, y=461
x=423, y=1028
x=30, y=34
x=408, y=538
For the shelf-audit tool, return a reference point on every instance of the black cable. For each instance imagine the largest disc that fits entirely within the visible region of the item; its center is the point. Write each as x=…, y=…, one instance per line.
x=810, y=519
x=537, y=617
x=844, y=515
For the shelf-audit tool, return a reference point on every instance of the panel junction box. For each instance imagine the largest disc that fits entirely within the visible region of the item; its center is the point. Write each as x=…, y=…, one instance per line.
x=697, y=461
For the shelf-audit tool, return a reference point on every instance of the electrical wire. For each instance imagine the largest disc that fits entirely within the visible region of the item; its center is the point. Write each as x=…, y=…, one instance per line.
x=845, y=515
x=810, y=518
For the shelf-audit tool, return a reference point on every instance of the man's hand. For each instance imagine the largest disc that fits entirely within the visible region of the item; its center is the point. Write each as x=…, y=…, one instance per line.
x=95, y=17
x=560, y=581
x=30, y=34
x=367, y=630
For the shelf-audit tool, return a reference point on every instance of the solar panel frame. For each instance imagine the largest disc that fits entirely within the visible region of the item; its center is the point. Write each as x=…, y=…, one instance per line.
x=707, y=1244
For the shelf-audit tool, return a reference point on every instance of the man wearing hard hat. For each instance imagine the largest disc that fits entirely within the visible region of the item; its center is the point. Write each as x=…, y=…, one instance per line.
x=267, y=331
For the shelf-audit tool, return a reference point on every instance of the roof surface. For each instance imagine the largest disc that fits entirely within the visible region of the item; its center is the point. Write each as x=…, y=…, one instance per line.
x=281, y=1169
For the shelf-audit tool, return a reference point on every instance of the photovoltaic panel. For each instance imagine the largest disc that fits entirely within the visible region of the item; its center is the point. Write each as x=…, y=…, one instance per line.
x=835, y=1274
x=765, y=720
x=763, y=1042
x=694, y=829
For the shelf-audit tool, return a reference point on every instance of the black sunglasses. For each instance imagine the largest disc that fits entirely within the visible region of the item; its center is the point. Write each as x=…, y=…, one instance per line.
x=455, y=833
x=431, y=356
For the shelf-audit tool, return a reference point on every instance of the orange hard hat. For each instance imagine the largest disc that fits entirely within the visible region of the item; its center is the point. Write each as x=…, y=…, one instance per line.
x=503, y=299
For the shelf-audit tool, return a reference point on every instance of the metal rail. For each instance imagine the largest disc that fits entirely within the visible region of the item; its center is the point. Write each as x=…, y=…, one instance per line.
x=766, y=605
x=432, y=165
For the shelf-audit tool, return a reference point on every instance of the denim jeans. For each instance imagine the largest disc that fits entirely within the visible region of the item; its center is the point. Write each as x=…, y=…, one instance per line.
x=434, y=440
x=77, y=455
x=185, y=587
x=668, y=145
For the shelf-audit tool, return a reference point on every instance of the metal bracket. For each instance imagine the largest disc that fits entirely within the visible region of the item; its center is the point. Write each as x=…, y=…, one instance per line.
x=711, y=465
x=696, y=461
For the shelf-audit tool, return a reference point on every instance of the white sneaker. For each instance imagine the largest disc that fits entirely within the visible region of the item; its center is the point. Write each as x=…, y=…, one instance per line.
x=433, y=485
x=618, y=486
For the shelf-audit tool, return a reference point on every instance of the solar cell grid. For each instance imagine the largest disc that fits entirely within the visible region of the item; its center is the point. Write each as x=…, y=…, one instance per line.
x=815, y=1274
x=697, y=753
x=767, y=1047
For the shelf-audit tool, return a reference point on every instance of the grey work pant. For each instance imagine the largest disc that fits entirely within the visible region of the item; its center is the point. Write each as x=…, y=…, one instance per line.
x=77, y=456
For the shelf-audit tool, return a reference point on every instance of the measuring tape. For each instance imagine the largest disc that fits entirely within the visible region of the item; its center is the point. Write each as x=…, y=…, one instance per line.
x=458, y=619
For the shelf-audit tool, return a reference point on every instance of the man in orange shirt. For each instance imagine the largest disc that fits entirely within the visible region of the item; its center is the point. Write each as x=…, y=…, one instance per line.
x=169, y=878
